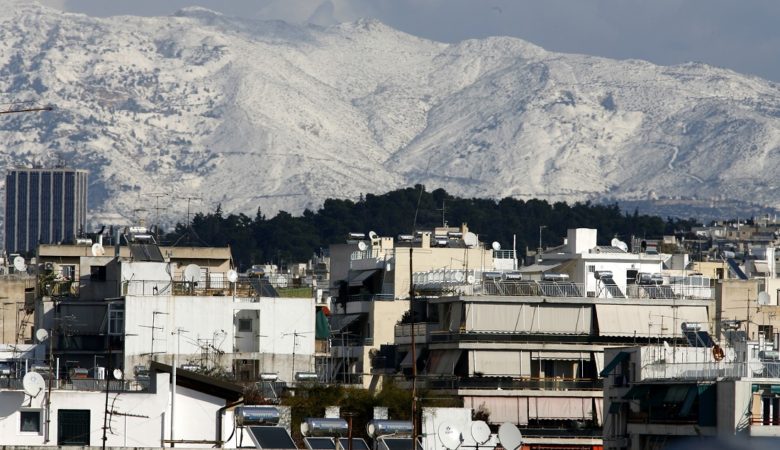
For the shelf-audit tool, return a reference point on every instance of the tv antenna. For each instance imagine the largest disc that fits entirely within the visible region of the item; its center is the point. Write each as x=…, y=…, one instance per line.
x=189, y=198
x=153, y=328
x=157, y=196
x=12, y=109
x=295, y=335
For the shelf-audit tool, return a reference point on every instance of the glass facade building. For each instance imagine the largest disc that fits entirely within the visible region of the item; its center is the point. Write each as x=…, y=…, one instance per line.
x=47, y=206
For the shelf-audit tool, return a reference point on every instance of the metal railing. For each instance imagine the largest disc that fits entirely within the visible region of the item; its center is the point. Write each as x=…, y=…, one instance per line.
x=668, y=292
x=371, y=298
x=711, y=370
x=492, y=382
x=88, y=384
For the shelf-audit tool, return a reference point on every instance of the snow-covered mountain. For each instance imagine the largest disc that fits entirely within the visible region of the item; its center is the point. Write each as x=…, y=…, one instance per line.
x=266, y=114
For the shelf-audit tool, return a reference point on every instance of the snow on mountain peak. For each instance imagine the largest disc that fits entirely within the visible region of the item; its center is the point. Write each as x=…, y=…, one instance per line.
x=252, y=114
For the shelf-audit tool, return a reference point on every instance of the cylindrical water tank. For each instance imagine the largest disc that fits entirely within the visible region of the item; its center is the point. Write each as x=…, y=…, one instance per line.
x=377, y=428
x=256, y=415
x=324, y=427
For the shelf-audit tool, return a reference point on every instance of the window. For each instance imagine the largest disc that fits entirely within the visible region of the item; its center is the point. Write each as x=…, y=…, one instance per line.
x=73, y=427
x=97, y=273
x=68, y=272
x=766, y=331
x=244, y=325
x=116, y=319
x=30, y=421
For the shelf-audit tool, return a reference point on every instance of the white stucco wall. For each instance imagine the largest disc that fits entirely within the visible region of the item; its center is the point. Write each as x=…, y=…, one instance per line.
x=144, y=420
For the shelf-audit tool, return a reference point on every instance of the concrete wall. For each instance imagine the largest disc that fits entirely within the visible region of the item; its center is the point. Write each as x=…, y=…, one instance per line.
x=207, y=321
x=11, y=309
x=142, y=419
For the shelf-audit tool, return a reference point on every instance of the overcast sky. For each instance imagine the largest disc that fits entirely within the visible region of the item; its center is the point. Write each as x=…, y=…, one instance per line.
x=742, y=35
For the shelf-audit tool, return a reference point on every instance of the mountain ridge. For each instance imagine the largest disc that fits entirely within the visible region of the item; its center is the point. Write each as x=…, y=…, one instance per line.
x=270, y=115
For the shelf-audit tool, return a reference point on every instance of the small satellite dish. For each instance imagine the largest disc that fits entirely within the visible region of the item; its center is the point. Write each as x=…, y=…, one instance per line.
x=459, y=276
x=509, y=436
x=33, y=384
x=19, y=264
x=372, y=235
x=470, y=279
x=622, y=245
x=496, y=246
x=97, y=249
x=232, y=276
x=763, y=298
x=192, y=273
x=450, y=436
x=470, y=239
x=117, y=374
x=362, y=246
x=615, y=242
x=41, y=335
x=480, y=431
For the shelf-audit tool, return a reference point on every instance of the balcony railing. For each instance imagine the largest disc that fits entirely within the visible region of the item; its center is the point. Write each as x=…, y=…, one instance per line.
x=550, y=384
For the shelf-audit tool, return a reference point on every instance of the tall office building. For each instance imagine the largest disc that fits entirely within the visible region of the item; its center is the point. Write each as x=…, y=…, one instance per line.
x=43, y=206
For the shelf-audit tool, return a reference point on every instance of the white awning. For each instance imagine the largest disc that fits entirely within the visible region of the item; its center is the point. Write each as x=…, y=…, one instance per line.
x=525, y=318
x=648, y=320
x=502, y=409
x=500, y=362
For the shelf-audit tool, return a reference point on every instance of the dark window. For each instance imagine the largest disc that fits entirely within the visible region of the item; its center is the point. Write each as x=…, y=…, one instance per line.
x=244, y=325
x=97, y=273
x=73, y=427
x=30, y=421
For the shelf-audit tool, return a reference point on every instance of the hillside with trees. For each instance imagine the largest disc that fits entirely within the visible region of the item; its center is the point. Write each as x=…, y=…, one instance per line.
x=285, y=238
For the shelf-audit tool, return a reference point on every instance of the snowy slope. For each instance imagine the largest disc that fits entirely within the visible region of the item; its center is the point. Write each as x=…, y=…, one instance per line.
x=271, y=115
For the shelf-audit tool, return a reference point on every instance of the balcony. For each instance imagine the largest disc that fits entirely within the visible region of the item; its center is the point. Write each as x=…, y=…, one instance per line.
x=711, y=370
x=403, y=332
x=507, y=383
x=369, y=260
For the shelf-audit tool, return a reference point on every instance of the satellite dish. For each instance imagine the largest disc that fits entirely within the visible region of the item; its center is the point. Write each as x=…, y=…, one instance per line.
x=622, y=245
x=509, y=436
x=615, y=242
x=362, y=246
x=97, y=249
x=192, y=273
x=232, y=276
x=450, y=436
x=33, y=384
x=372, y=235
x=19, y=264
x=480, y=431
x=496, y=246
x=763, y=298
x=117, y=374
x=459, y=276
x=470, y=279
x=470, y=239
x=41, y=335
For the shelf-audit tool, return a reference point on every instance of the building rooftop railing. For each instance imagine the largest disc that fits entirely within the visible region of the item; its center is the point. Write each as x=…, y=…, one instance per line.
x=711, y=370
x=82, y=385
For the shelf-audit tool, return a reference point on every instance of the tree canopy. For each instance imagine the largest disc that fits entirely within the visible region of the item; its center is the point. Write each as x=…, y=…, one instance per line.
x=285, y=238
